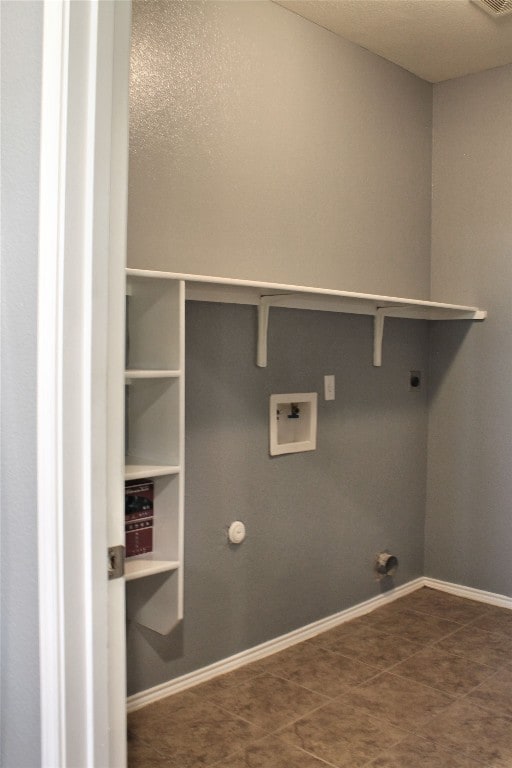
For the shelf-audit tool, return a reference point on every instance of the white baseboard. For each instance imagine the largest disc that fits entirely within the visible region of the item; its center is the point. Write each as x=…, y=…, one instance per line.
x=143, y=698
x=150, y=695
x=470, y=593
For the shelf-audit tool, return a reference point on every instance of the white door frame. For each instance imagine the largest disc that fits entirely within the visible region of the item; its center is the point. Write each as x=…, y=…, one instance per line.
x=83, y=190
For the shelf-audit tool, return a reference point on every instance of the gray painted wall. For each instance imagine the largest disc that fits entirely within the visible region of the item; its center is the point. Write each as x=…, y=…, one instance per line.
x=469, y=521
x=376, y=425
x=314, y=520
x=265, y=147
x=20, y=102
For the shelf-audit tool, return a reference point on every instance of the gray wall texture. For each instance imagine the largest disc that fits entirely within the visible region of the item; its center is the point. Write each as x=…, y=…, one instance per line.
x=469, y=520
x=265, y=147
x=20, y=102
x=315, y=520
x=298, y=157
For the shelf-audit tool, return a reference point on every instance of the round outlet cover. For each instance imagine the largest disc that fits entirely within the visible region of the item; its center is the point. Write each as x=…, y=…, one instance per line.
x=236, y=532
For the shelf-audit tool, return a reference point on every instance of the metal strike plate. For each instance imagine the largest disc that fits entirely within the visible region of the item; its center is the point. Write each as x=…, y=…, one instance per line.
x=116, y=562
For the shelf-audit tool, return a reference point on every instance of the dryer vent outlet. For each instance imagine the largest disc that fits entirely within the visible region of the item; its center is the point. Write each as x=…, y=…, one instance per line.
x=385, y=564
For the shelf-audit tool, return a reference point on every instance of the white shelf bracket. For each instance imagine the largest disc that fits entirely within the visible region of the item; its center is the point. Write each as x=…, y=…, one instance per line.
x=378, y=333
x=263, y=310
x=265, y=302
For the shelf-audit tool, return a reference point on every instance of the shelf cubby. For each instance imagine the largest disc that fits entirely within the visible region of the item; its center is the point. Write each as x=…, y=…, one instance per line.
x=153, y=420
x=167, y=523
x=153, y=311
x=154, y=581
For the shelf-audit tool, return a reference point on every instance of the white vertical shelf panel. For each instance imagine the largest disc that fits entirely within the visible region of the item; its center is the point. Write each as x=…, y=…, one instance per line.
x=156, y=432
x=181, y=453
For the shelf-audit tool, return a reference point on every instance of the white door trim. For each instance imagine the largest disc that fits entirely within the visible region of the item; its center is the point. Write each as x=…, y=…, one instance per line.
x=76, y=274
x=49, y=462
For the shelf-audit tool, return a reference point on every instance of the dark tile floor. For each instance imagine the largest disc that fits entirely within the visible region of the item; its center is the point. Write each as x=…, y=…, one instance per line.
x=424, y=682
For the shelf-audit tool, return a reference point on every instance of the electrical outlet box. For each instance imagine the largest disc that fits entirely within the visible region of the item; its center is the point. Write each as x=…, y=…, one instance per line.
x=293, y=420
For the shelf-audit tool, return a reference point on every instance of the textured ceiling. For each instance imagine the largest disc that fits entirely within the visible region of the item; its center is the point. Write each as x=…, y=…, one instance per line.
x=435, y=39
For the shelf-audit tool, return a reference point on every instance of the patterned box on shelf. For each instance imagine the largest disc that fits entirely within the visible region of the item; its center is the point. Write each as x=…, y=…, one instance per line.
x=139, y=517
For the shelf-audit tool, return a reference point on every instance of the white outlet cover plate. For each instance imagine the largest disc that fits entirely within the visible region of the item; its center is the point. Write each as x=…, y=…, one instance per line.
x=329, y=387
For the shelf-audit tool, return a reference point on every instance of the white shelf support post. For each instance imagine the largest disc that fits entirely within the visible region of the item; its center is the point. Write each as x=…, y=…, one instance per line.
x=263, y=310
x=378, y=333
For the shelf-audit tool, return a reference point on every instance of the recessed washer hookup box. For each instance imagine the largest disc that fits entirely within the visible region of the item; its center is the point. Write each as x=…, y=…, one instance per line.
x=293, y=419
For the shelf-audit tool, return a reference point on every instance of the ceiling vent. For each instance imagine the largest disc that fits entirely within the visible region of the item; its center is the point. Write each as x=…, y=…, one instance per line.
x=495, y=8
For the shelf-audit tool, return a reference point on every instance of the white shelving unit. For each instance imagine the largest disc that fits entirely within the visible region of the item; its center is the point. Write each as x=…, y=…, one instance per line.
x=266, y=295
x=155, y=400
x=154, y=427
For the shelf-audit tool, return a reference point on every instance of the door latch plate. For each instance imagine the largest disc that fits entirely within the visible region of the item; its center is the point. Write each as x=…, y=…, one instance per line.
x=116, y=562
